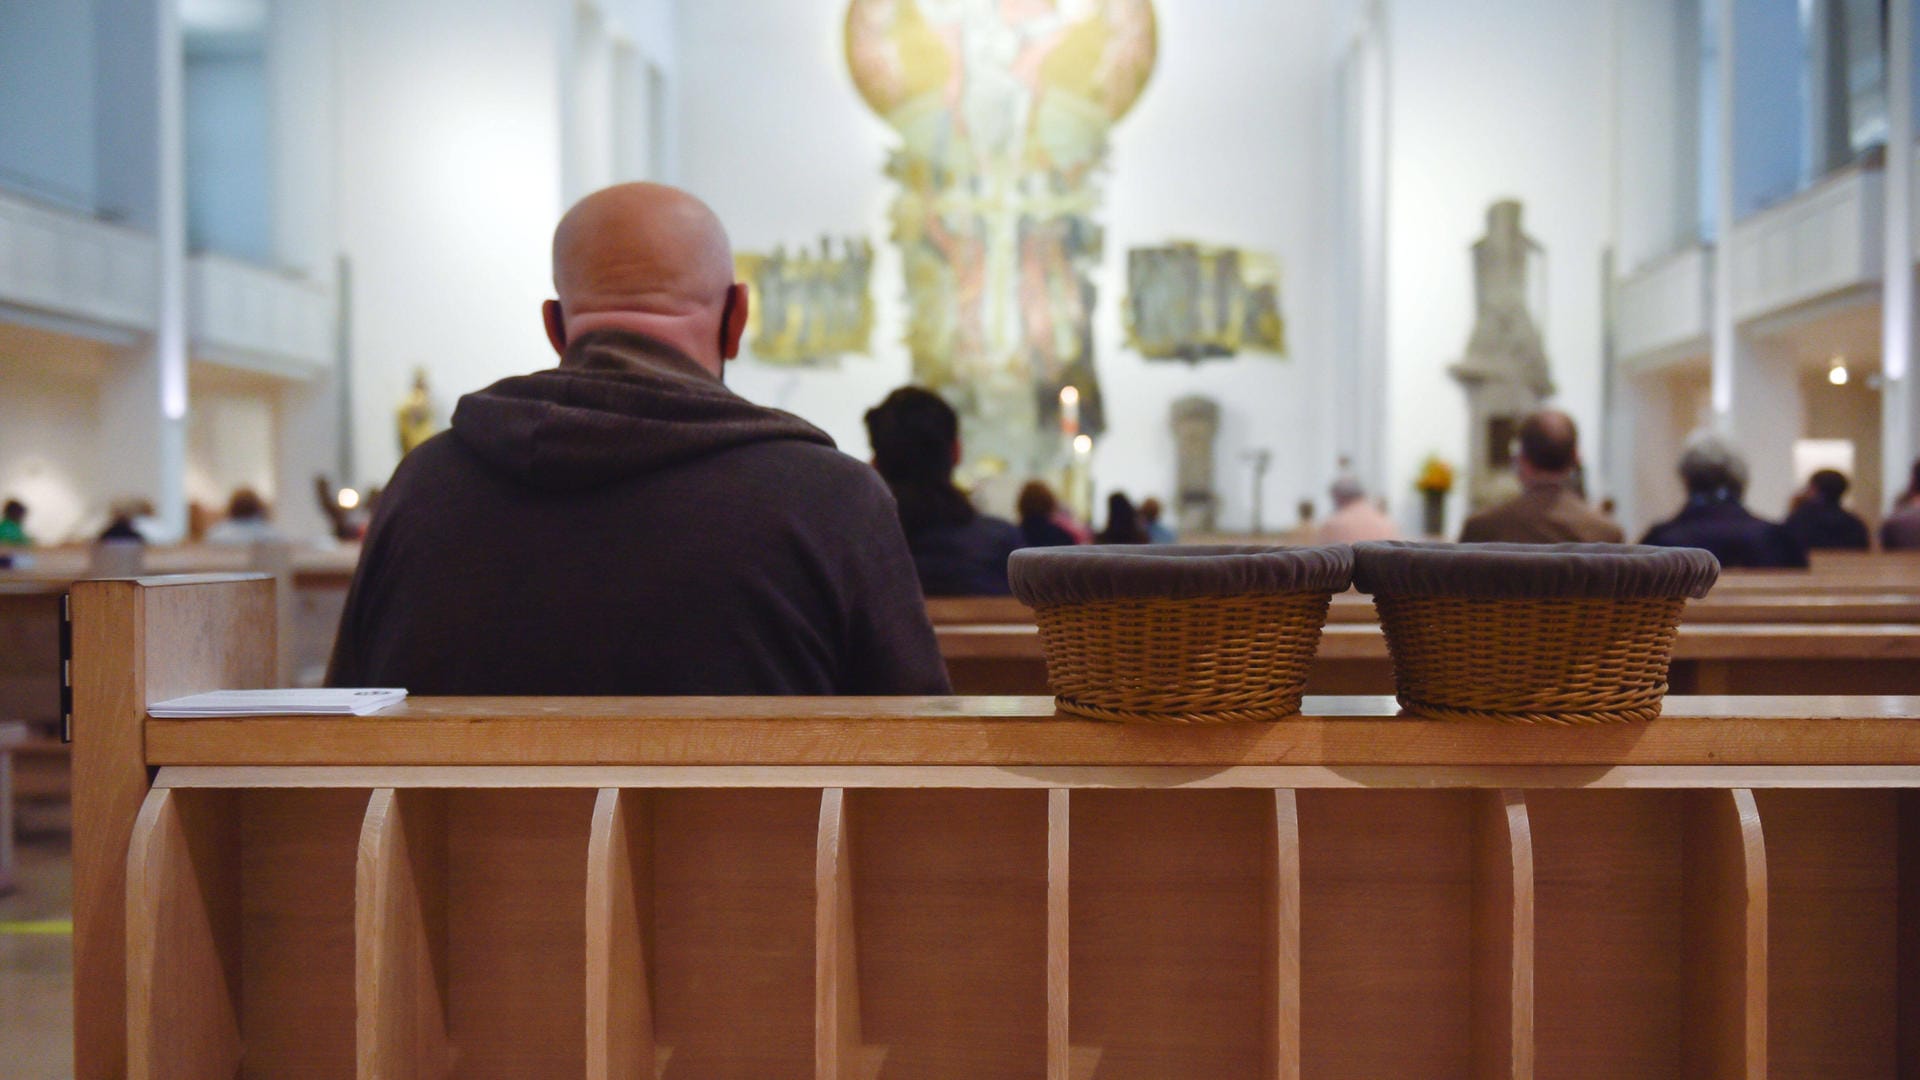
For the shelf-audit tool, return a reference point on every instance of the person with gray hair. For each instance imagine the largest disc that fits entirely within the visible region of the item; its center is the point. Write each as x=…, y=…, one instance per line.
x=1715, y=519
x=1354, y=519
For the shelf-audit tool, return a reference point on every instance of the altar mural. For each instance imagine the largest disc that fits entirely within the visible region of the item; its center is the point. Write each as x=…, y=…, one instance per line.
x=1003, y=110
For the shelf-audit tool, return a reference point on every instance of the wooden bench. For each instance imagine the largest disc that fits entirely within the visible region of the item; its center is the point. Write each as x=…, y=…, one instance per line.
x=969, y=887
x=1717, y=658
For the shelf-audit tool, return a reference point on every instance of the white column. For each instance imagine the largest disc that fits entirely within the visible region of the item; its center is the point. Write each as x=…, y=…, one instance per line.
x=1900, y=399
x=1724, y=332
x=1768, y=417
x=140, y=140
x=300, y=77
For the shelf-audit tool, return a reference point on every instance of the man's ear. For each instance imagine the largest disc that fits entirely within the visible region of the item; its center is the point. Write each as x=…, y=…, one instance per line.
x=735, y=326
x=556, y=321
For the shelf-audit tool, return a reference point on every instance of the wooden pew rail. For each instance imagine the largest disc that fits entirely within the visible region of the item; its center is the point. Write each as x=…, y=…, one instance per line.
x=970, y=887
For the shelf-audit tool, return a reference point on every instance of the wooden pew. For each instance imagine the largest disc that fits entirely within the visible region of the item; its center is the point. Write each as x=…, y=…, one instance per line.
x=1353, y=607
x=1718, y=658
x=970, y=887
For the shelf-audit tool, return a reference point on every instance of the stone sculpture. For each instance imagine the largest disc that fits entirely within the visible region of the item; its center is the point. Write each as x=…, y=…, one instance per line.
x=1196, y=424
x=1505, y=371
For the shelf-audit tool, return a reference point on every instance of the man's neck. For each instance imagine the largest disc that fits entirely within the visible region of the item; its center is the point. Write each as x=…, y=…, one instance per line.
x=677, y=331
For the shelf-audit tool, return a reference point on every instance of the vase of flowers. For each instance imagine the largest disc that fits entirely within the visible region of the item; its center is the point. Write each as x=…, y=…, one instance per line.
x=1434, y=483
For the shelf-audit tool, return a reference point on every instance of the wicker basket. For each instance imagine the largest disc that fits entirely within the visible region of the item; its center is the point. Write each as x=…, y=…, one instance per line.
x=1179, y=635
x=1560, y=634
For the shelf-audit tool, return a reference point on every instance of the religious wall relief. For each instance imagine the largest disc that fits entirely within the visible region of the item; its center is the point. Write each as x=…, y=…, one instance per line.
x=808, y=308
x=1003, y=109
x=1190, y=302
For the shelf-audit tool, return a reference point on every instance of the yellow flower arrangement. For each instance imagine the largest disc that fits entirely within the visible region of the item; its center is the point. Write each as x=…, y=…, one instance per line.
x=1436, y=476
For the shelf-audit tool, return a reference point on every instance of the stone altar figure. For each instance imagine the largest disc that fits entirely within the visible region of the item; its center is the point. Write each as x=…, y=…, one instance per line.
x=1505, y=370
x=415, y=418
x=1003, y=112
x=1196, y=423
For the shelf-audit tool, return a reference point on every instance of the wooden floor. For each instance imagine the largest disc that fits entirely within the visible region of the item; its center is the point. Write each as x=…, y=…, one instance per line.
x=36, y=956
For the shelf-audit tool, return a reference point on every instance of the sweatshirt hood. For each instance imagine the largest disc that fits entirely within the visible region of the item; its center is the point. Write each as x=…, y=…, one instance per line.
x=620, y=404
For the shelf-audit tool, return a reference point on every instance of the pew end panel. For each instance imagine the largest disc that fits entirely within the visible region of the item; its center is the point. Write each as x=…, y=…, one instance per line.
x=135, y=642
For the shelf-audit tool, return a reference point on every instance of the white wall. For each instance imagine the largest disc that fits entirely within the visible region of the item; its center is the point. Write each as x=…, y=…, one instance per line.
x=230, y=444
x=1490, y=100
x=449, y=187
x=1657, y=113
x=1231, y=143
x=46, y=85
x=49, y=449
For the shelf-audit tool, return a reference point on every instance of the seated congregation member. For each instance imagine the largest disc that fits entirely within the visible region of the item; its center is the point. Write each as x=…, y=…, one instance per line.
x=1713, y=518
x=1549, y=509
x=1157, y=531
x=13, y=525
x=1354, y=519
x=957, y=550
x=1820, y=523
x=1039, y=513
x=624, y=523
x=246, y=521
x=1901, y=530
x=1123, y=523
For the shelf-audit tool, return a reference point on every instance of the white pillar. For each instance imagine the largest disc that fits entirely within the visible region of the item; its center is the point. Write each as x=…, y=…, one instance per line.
x=300, y=78
x=1768, y=417
x=140, y=140
x=1724, y=336
x=1900, y=396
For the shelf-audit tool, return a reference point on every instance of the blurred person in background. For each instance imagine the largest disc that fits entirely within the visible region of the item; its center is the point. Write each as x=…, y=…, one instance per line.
x=1123, y=522
x=1039, y=510
x=1549, y=508
x=1901, y=530
x=1157, y=532
x=247, y=521
x=1354, y=519
x=1820, y=522
x=957, y=550
x=13, y=525
x=1715, y=519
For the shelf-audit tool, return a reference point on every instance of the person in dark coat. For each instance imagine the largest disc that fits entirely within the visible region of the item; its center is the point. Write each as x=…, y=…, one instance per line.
x=625, y=524
x=1039, y=508
x=957, y=550
x=1714, y=519
x=1123, y=523
x=1821, y=523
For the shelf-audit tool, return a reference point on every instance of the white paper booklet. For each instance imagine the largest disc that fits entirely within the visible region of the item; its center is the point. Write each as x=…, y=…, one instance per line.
x=350, y=702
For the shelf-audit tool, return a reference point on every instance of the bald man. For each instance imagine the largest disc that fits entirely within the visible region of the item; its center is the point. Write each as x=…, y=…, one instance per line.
x=625, y=524
x=1547, y=510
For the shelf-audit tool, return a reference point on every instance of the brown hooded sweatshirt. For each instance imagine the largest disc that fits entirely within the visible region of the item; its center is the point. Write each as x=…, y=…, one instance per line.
x=624, y=524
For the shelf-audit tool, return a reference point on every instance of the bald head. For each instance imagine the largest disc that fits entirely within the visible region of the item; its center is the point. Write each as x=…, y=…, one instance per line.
x=1549, y=444
x=650, y=259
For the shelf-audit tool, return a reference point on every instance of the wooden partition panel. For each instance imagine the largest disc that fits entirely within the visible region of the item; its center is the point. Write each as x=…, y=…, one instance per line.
x=516, y=931
x=1650, y=933
x=1833, y=902
x=619, y=923
x=1169, y=905
x=183, y=938
x=1502, y=1034
x=241, y=933
x=400, y=924
x=1386, y=917
x=734, y=925
x=949, y=890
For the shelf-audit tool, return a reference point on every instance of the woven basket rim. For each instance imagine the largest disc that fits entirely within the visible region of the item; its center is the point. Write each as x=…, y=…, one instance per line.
x=1047, y=577
x=1532, y=571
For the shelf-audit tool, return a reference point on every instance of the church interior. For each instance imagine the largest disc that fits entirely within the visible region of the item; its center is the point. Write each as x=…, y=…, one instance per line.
x=1264, y=289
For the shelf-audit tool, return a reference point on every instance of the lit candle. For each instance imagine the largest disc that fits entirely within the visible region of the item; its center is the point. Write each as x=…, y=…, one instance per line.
x=1069, y=410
